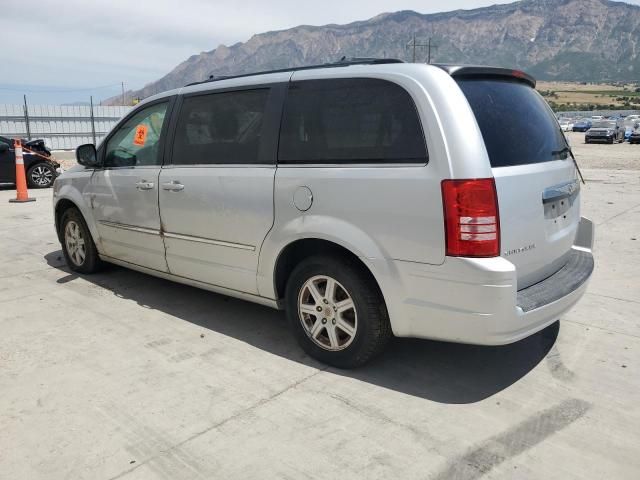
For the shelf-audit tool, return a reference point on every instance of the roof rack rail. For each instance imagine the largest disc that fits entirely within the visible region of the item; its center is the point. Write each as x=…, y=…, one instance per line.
x=343, y=62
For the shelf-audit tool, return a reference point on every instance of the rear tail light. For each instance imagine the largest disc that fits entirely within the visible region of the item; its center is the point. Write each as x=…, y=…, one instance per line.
x=471, y=219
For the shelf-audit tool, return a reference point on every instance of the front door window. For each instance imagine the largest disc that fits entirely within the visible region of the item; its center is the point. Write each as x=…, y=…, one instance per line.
x=136, y=143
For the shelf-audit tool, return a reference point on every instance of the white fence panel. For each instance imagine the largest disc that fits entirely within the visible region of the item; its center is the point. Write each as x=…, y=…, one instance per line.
x=60, y=126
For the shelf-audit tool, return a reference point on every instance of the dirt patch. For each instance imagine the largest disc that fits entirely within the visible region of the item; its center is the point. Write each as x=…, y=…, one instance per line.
x=619, y=156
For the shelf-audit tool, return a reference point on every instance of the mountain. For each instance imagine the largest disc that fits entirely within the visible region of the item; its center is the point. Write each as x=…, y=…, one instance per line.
x=579, y=40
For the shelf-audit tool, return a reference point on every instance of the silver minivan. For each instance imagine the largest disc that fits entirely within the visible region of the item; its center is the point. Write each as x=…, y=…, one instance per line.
x=367, y=198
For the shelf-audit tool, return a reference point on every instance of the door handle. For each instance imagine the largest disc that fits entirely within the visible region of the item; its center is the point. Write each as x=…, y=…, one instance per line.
x=173, y=186
x=144, y=185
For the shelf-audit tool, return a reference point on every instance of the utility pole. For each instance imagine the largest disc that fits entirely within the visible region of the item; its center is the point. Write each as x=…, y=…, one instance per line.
x=26, y=118
x=93, y=122
x=122, y=93
x=414, y=44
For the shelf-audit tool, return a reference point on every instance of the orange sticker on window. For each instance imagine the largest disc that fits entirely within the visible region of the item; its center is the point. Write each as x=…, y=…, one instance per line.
x=141, y=135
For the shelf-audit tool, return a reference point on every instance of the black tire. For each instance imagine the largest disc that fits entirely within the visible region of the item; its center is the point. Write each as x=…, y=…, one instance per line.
x=91, y=261
x=373, y=329
x=41, y=175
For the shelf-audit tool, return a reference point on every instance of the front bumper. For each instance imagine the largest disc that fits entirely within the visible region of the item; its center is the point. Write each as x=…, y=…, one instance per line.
x=599, y=138
x=476, y=301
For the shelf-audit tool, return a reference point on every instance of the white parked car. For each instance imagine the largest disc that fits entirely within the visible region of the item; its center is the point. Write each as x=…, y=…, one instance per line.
x=566, y=125
x=347, y=195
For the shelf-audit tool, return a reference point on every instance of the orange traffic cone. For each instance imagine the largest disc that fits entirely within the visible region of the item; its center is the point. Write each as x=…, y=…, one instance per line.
x=22, y=195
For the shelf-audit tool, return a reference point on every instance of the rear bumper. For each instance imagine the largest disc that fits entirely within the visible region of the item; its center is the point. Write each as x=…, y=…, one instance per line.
x=476, y=301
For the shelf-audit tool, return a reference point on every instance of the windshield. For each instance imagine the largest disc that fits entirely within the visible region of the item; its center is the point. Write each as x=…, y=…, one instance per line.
x=604, y=125
x=517, y=125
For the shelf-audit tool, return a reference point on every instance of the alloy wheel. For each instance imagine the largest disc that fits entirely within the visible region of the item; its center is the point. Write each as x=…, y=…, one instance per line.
x=42, y=176
x=327, y=313
x=75, y=243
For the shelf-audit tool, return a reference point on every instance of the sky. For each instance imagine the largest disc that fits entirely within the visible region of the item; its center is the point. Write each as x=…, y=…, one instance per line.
x=66, y=50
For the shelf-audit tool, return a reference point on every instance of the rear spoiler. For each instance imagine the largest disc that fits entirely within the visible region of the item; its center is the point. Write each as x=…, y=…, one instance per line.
x=476, y=71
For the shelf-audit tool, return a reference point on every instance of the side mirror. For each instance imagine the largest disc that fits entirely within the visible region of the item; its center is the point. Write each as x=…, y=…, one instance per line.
x=3, y=147
x=86, y=155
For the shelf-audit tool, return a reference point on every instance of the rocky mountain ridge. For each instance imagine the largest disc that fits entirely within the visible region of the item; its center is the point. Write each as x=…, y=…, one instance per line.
x=577, y=40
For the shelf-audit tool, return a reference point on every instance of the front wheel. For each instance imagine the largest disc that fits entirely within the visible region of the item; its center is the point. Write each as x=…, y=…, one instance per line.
x=77, y=245
x=336, y=311
x=41, y=175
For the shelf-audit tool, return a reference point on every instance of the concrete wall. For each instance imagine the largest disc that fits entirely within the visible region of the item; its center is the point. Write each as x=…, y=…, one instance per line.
x=61, y=126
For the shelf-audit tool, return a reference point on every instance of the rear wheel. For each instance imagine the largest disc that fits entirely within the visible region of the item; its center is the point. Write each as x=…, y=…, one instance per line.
x=77, y=245
x=41, y=175
x=336, y=311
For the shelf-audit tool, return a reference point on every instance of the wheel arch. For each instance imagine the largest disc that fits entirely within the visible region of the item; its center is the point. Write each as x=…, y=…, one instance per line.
x=296, y=251
x=66, y=202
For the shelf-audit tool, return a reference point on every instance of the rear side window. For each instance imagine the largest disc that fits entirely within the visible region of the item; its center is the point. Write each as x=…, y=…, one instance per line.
x=220, y=128
x=350, y=121
x=517, y=125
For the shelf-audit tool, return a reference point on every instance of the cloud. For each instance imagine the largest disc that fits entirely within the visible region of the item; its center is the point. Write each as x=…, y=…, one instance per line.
x=99, y=42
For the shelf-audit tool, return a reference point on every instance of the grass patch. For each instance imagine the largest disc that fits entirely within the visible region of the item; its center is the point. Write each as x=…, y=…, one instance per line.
x=609, y=93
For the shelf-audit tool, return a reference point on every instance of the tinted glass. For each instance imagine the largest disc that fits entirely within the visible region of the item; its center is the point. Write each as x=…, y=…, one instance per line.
x=137, y=142
x=517, y=125
x=220, y=128
x=350, y=121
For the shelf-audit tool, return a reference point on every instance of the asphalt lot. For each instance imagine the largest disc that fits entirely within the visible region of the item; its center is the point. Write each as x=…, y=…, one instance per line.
x=121, y=375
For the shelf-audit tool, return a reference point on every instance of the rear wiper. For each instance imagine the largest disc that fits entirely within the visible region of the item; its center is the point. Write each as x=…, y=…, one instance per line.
x=568, y=150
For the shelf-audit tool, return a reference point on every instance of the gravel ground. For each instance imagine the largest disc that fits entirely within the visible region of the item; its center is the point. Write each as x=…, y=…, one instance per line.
x=619, y=156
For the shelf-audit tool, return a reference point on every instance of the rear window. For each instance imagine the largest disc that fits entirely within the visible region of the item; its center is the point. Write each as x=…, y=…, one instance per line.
x=350, y=121
x=517, y=125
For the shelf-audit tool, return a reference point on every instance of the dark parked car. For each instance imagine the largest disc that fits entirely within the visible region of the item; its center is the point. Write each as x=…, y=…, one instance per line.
x=635, y=134
x=582, y=126
x=40, y=168
x=608, y=131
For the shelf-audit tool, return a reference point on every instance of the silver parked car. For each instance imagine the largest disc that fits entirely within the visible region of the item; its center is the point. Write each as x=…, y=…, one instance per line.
x=347, y=195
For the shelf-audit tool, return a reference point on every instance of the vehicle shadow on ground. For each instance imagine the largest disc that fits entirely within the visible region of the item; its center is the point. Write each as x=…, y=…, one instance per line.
x=438, y=371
